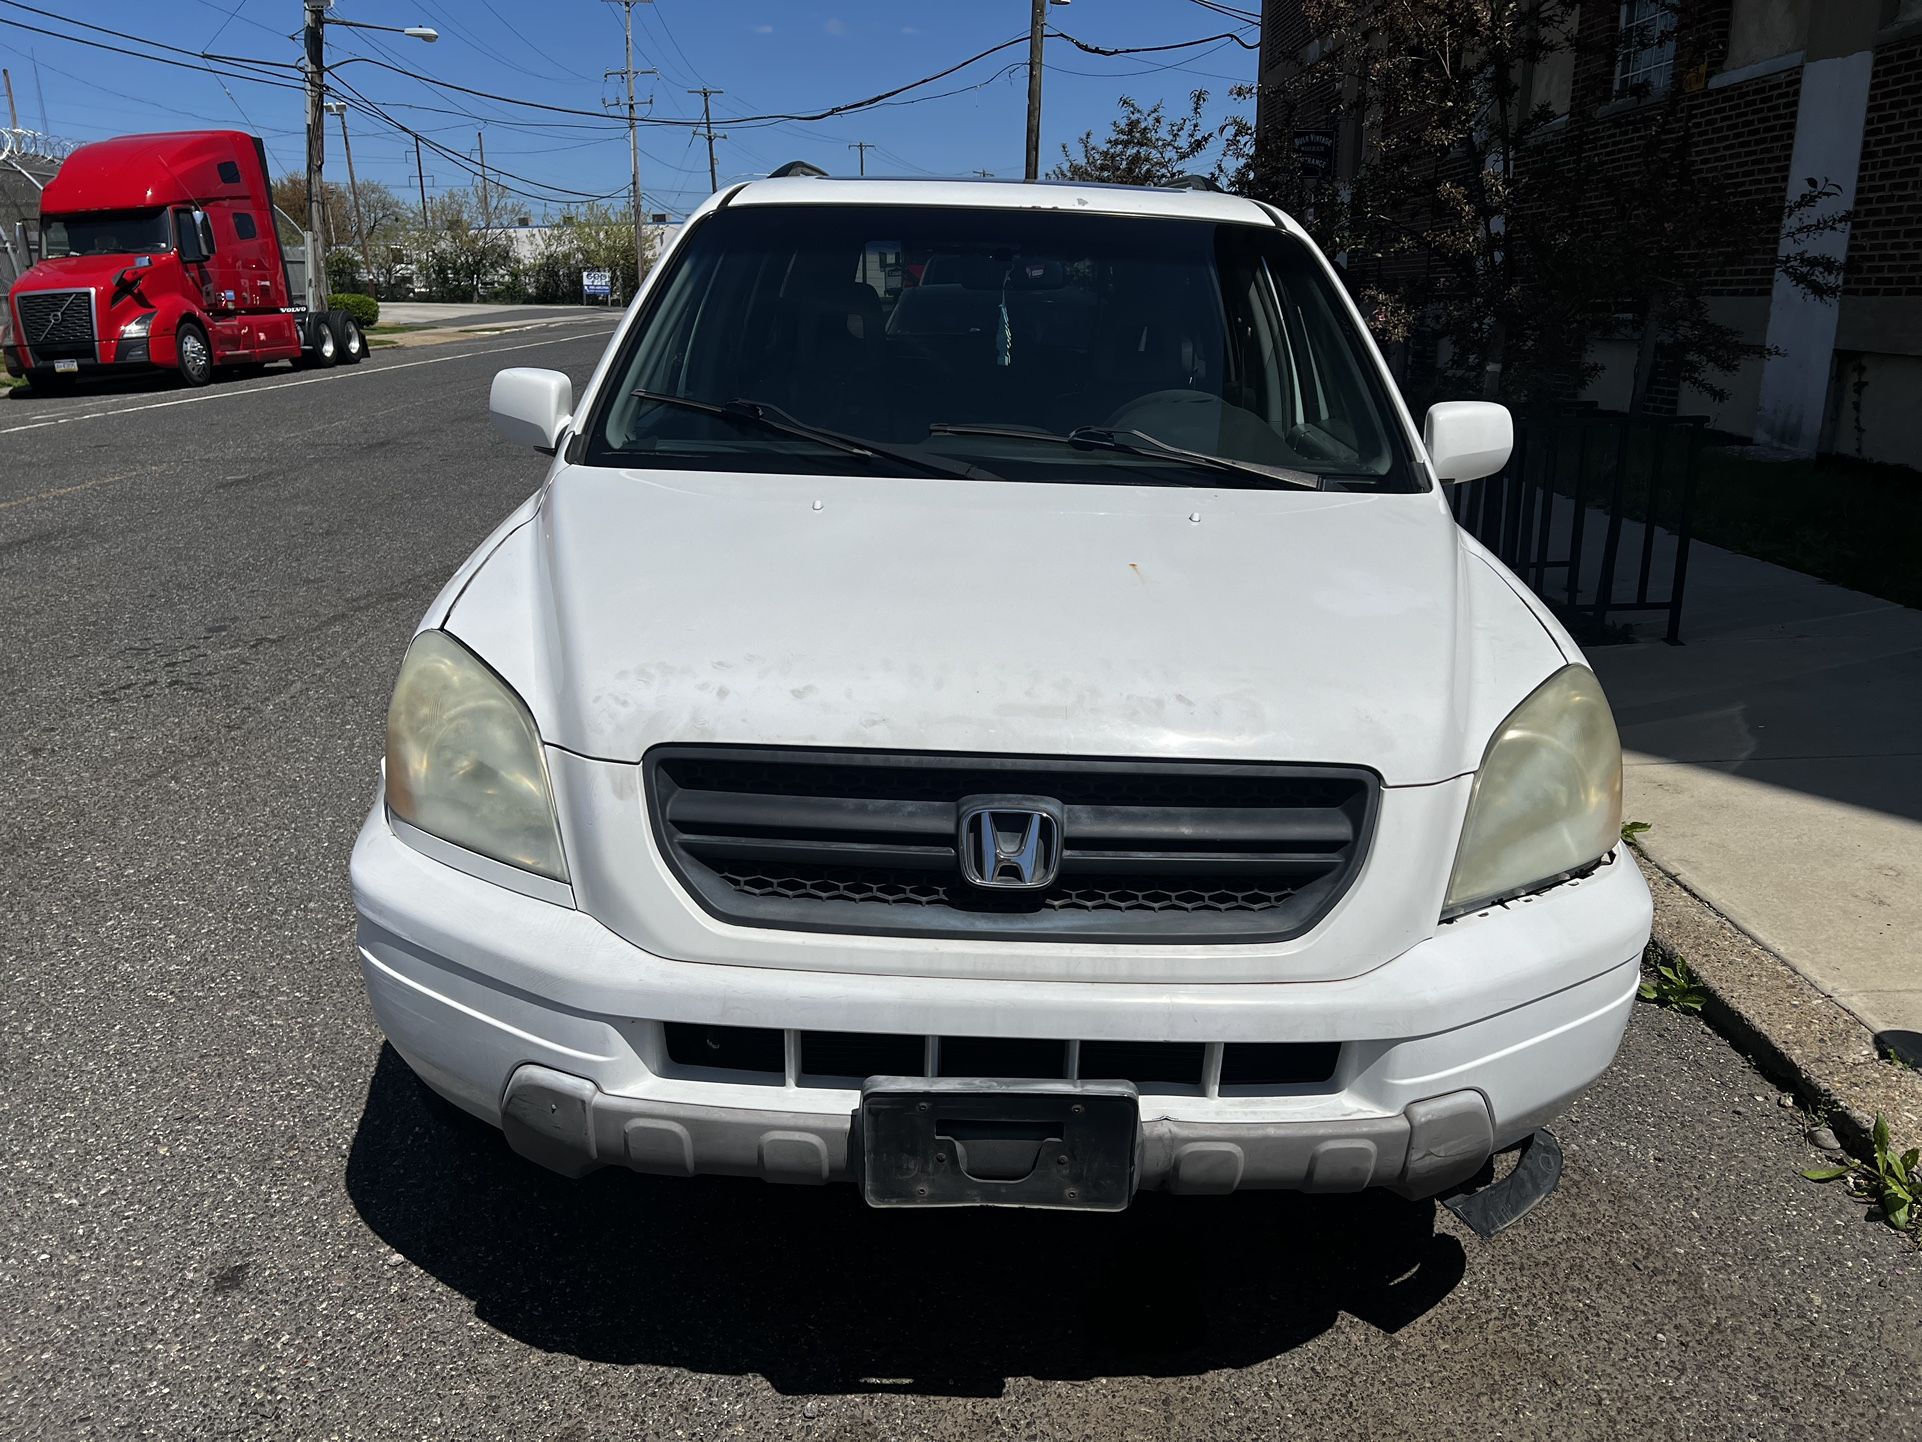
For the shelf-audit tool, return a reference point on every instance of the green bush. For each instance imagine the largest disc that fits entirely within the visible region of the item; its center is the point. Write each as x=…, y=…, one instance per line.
x=363, y=308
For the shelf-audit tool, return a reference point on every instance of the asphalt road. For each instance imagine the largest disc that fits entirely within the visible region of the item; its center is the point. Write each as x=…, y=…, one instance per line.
x=227, y=1211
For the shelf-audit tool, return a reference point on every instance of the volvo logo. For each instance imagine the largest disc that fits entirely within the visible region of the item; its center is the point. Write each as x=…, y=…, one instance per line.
x=1010, y=843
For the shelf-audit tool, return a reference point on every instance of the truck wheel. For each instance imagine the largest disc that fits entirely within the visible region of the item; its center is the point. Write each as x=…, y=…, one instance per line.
x=326, y=347
x=196, y=356
x=349, y=344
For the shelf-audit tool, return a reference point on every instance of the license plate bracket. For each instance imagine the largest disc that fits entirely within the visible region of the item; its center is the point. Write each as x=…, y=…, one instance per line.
x=985, y=1141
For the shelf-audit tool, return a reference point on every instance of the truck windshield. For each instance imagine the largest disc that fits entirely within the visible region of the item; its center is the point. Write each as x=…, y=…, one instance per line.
x=1017, y=344
x=108, y=232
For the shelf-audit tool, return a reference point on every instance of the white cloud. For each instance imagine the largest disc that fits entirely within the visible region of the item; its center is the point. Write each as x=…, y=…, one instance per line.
x=763, y=29
x=910, y=29
x=836, y=26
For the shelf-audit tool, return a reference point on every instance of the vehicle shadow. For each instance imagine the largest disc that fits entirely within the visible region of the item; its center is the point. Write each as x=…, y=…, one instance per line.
x=819, y=1294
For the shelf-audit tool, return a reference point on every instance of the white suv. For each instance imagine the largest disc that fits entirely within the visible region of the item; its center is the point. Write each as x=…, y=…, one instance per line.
x=989, y=703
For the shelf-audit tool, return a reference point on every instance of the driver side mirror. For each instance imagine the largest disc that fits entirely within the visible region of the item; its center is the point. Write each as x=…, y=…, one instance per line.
x=196, y=237
x=531, y=407
x=1467, y=440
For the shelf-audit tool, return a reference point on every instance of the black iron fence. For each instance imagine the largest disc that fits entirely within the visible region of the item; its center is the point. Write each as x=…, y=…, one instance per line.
x=1593, y=512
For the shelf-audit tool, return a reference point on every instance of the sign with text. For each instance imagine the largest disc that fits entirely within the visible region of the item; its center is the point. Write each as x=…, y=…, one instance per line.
x=597, y=284
x=1314, y=154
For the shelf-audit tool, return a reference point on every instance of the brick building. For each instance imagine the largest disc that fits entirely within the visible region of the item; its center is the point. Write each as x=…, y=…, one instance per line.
x=1778, y=91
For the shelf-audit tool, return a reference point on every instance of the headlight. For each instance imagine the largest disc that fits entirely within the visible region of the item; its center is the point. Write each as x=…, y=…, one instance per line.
x=464, y=759
x=1547, y=800
x=138, y=326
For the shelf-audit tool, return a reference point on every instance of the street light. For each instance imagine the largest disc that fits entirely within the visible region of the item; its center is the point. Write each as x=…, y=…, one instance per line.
x=317, y=19
x=1036, y=29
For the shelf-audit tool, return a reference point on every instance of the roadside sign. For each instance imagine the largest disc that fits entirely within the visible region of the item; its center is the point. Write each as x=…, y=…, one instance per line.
x=597, y=284
x=1314, y=154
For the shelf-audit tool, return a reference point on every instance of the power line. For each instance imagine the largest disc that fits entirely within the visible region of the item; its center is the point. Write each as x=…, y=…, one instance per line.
x=1245, y=44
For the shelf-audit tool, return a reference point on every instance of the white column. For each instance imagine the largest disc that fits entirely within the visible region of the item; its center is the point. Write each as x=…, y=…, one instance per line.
x=1828, y=146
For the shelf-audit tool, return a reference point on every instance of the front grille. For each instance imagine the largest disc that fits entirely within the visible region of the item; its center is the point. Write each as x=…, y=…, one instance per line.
x=1149, y=851
x=760, y=1053
x=57, y=324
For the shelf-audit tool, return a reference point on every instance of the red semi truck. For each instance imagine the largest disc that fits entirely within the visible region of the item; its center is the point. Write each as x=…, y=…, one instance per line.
x=160, y=251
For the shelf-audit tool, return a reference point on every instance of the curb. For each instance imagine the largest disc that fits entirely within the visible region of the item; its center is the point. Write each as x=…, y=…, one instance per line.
x=1794, y=1032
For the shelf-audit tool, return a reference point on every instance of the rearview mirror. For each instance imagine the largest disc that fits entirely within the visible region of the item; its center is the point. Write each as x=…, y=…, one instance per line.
x=1467, y=440
x=531, y=407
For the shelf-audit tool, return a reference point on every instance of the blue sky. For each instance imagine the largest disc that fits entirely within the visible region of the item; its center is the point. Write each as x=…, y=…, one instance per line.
x=768, y=56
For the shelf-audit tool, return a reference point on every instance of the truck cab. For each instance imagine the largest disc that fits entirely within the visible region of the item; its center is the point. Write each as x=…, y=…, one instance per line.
x=161, y=251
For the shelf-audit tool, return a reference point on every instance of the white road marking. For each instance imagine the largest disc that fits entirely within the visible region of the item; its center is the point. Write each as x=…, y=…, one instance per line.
x=331, y=375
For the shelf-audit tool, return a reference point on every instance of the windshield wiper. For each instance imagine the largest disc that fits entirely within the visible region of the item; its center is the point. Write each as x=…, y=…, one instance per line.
x=1135, y=443
x=773, y=418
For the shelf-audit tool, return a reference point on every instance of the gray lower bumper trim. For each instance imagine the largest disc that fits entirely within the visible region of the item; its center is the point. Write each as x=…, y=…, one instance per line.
x=570, y=1126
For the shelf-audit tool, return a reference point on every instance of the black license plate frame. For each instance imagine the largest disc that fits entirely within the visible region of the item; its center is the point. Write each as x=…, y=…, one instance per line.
x=962, y=1142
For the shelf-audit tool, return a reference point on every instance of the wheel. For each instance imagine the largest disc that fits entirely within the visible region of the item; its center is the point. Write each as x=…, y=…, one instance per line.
x=349, y=344
x=326, y=347
x=196, y=356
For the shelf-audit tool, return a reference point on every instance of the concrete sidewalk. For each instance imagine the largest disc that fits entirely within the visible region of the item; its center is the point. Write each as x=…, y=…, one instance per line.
x=1777, y=756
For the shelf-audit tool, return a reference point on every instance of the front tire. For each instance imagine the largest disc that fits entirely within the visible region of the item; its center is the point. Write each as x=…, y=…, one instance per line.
x=196, y=355
x=349, y=344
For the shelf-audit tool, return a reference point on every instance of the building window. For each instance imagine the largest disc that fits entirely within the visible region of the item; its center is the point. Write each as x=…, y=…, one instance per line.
x=1645, y=52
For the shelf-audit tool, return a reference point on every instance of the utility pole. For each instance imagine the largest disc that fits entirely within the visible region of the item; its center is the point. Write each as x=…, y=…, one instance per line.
x=487, y=205
x=864, y=146
x=315, y=16
x=707, y=129
x=984, y=174
x=339, y=107
x=1036, y=28
x=420, y=174
x=628, y=72
x=13, y=115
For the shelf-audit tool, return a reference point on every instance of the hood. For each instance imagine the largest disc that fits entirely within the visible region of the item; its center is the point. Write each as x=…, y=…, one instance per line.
x=640, y=607
x=71, y=272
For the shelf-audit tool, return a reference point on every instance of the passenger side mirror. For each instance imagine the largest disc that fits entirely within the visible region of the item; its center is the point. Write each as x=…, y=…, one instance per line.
x=531, y=407
x=1467, y=440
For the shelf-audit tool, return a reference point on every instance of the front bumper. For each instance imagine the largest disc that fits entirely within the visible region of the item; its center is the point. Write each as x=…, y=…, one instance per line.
x=535, y=1017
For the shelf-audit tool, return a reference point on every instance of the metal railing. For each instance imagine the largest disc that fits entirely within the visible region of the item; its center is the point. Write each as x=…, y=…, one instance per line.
x=1594, y=512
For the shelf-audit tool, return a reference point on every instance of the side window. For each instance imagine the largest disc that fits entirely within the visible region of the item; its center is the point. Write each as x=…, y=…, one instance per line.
x=243, y=226
x=229, y=172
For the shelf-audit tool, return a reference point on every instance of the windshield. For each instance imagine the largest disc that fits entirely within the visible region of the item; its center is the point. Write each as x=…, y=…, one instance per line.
x=1096, y=348
x=108, y=232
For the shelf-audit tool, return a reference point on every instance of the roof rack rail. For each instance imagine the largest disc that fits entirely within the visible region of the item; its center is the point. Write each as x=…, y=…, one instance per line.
x=795, y=167
x=1195, y=182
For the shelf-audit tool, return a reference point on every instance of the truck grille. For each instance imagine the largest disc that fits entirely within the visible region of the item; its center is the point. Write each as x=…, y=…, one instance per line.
x=761, y=1053
x=57, y=324
x=1151, y=852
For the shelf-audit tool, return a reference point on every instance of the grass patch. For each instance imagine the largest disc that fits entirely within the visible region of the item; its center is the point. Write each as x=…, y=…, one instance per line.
x=397, y=328
x=8, y=382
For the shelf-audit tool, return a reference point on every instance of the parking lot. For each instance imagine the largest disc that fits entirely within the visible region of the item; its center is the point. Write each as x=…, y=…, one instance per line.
x=230, y=1212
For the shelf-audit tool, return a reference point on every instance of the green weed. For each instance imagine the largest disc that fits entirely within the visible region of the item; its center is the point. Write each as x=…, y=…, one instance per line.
x=1673, y=985
x=1893, y=1183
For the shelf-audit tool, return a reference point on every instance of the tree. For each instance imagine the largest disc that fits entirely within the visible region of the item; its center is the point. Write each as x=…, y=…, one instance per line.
x=381, y=212
x=1144, y=147
x=1505, y=236
x=461, y=258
